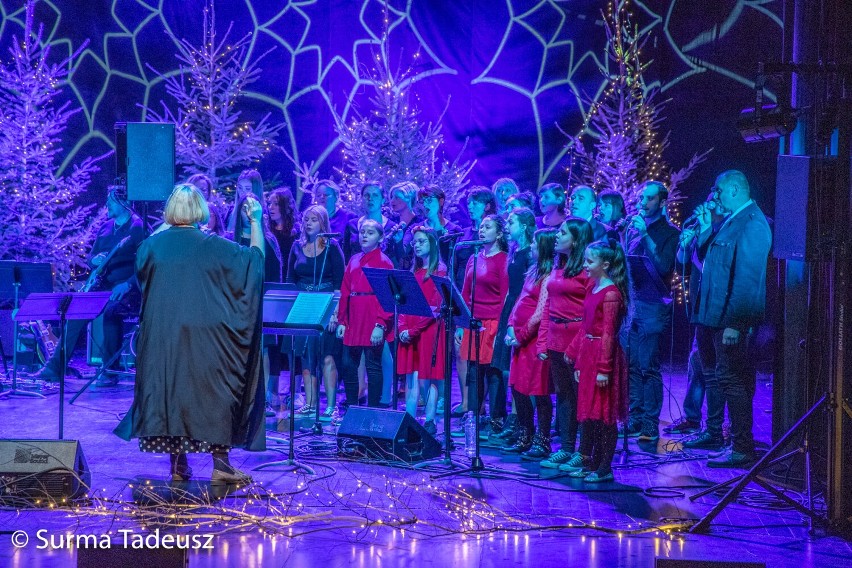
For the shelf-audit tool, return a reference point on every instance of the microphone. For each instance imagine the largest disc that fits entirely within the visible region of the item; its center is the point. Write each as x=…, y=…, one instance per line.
x=401, y=226
x=465, y=244
x=450, y=236
x=64, y=304
x=711, y=205
x=329, y=235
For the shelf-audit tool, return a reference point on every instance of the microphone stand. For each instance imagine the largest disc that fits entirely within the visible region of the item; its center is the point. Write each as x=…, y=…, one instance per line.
x=477, y=466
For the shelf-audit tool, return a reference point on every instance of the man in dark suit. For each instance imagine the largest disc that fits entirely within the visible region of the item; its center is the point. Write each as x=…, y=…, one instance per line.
x=730, y=303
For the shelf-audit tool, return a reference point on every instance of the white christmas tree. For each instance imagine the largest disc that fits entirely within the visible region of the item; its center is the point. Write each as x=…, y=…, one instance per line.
x=39, y=220
x=211, y=138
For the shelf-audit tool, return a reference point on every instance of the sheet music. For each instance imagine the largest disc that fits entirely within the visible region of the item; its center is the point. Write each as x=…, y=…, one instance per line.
x=309, y=309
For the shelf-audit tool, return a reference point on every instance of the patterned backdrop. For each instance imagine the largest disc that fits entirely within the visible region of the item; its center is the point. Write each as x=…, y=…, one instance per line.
x=507, y=71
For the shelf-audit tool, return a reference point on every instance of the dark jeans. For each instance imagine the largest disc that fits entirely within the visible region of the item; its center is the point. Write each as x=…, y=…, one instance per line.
x=498, y=382
x=645, y=387
x=491, y=376
x=114, y=315
x=373, y=365
x=698, y=385
x=562, y=377
x=736, y=376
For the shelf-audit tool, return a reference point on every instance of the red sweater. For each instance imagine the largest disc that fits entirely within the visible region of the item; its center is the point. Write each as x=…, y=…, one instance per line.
x=359, y=308
x=492, y=285
x=565, y=298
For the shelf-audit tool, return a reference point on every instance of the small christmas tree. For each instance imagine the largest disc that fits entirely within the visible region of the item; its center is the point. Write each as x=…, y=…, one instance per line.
x=210, y=137
x=389, y=144
x=39, y=220
x=625, y=121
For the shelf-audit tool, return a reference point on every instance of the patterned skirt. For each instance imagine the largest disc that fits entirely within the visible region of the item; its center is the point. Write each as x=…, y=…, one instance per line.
x=178, y=445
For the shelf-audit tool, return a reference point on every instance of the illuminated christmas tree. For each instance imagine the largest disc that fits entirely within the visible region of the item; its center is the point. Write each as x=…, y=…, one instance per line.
x=39, y=220
x=625, y=122
x=210, y=136
x=390, y=144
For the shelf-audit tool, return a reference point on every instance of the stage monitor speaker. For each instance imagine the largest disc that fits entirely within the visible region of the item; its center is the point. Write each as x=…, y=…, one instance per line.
x=684, y=563
x=119, y=556
x=806, y=216
x=150, y=160
x=385, y=435
x=51, y=470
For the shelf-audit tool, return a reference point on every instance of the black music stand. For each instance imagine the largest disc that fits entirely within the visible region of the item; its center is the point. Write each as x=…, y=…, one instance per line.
x=454, y=313
x=17, y=281
x=398, y=293
x=80, y=306
x=647, y=286
x=293, y=313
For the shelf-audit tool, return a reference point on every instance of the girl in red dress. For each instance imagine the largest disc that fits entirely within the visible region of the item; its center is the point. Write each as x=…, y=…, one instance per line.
x=492, y=286
x=528, y=375
x=601, y=368
x=363, y=325
x=421, y=345
x=560, y=323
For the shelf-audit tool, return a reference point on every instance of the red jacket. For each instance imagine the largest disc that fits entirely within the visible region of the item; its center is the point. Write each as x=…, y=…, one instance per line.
x=359, y=308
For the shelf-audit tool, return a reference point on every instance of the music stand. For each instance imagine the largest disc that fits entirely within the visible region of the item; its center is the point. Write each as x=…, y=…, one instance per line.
x=295, y=314
x=454, y=313
x=398, y=293
x=80, y=306
x=17, y=281
x=647, y=286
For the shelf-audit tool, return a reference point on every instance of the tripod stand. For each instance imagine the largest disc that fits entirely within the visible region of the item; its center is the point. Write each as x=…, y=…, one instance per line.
x=477, y=466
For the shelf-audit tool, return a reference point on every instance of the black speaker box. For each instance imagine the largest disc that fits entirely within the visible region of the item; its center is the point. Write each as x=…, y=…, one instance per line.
x=684, y=563
x=150, y=160
x=51, y=470
x=385, y=434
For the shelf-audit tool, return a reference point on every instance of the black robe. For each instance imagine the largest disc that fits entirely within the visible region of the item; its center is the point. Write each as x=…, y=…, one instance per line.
x=199, y=370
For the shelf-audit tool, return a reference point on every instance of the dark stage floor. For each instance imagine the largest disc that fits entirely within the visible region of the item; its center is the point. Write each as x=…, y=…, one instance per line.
x=359, y=514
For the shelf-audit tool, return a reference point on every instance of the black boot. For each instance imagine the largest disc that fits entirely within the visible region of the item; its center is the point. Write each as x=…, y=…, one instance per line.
x=507, y=435
x=522, y=444
x=540, y=448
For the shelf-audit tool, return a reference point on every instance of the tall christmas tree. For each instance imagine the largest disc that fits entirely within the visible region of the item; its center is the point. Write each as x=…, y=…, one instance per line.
x=625, y=122
x=211, y=137
x=390, y=144
x=39, y=220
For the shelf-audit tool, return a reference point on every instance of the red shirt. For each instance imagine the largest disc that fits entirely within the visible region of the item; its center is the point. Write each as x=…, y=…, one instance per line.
x=492, y=285
x=359, y=308
x=565, y=297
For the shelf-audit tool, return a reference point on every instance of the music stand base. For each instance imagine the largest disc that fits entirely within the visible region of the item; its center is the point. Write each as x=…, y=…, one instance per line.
x=291, y=465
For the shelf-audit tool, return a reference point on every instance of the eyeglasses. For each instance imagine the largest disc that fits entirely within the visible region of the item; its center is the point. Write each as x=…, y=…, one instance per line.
x=420, y=241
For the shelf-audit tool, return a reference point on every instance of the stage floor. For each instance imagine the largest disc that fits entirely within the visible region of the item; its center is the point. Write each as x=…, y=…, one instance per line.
x=353, y=513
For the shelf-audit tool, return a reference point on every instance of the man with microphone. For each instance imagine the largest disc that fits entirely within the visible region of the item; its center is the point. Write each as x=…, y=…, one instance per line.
x=649, y=234
x=730, y=303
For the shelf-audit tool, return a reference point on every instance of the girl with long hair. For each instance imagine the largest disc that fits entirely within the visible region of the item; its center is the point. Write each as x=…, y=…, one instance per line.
x=492, y=286
x=316, y=264
x=561, y=322
x=520, y=227
x=599, y=362
x=529, y=376
x=421, y=351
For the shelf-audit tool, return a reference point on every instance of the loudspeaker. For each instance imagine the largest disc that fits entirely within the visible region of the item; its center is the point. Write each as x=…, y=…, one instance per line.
x=53, y=470
x=150, y=160
x=385, y=434
x=806, y=216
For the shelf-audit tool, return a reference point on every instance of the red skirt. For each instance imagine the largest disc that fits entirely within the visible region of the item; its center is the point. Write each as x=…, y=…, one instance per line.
x=528, y=374
x=486, y=342
x=417, y=355
x=608, y=403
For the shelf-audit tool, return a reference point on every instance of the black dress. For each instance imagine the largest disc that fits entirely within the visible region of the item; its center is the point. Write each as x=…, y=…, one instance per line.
x=199, y=374
x=517, y=270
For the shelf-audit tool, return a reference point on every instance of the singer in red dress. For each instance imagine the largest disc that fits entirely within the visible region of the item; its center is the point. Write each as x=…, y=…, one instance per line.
x=422, y=350
x=529, y=375
x=600, y=365
x=492, y=286
x=362, y=323
x=561, y=322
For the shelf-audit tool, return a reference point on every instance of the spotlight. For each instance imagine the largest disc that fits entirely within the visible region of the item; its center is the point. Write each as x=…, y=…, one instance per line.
x=766, y=123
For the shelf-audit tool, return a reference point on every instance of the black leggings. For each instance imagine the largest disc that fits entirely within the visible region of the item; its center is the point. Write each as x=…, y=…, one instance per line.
x=598, y=441
x=543, y=407
x=562, y=377
x=494, y=378
x=375, y=378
